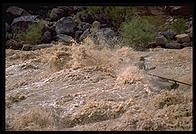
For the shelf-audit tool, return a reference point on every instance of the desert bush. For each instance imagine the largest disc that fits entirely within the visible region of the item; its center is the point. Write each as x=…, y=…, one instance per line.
x=32, y=35
x=137, y=33
x=179, y=25
x=154, y=20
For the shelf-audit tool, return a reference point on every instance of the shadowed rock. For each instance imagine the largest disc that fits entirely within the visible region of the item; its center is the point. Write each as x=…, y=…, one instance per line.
x=22, y=23
x=56, y=14
x=65, y=26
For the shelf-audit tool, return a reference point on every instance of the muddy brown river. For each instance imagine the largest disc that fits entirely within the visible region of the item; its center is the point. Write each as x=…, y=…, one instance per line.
x=79, y=88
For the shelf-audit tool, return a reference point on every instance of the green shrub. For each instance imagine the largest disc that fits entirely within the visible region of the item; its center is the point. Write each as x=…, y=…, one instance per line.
x=179, y=26
x=137, y=33
x=154, y=20
x=33, y=34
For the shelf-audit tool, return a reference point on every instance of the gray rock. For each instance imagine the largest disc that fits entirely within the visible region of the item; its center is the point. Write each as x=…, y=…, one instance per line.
x=17, y=11
x=78, y=34
x=41, y=46
x=22, y=23
x=83, y=26
x=161, y=40
x=106, y=33
x=106, y=36
x=12, y=44
x=65, y=38
x=185, y=44
x=29, y=47
x=56, y=14
x=49, y=26
x=47, y=37
x=158, y=84
x=84, y=35
x=164, y=85
x=173, y=45
x=65, y=26
x=78, y=8
x=68, y=10
x=168, y=34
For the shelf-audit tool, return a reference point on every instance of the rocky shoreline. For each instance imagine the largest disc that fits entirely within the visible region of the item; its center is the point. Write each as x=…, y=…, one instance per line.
x=60, y=25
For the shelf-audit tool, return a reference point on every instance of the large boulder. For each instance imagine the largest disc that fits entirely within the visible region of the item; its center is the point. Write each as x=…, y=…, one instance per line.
x=65, y=26
x=107, y=33
x=13, y=12
x=17, y=11
x=105, y=37
x=181, y=38
x=22, y=23
x=65, y=38
x=46, y=37
x=56, y=14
